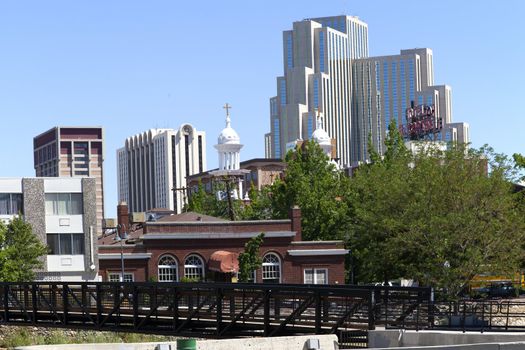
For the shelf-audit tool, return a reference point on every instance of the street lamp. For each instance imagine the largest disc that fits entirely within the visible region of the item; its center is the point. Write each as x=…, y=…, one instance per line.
x=120, y=236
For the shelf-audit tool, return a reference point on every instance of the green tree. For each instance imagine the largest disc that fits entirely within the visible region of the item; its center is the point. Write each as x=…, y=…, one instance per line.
x=249, y=260
x=20, y=251
x=437, y=216
x=313, y=183
x=207, y=203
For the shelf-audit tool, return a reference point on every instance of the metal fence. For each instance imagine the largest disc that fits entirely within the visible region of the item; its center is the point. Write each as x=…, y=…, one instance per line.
x=215, y=309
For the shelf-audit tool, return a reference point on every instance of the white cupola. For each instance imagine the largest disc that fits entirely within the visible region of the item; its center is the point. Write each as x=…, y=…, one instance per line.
x=320, y=136
x=228, y=145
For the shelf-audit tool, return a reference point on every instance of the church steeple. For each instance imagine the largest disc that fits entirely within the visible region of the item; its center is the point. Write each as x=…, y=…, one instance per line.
x=228, y=145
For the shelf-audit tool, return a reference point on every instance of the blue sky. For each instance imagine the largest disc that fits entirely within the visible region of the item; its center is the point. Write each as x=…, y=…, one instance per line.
x=134, y=65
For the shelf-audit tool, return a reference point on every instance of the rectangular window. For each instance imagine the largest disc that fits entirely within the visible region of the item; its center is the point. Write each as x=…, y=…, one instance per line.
x=289, y=50
x=315, y=276
x=63, y=203
x=283, y=92
x=200, y=154
x=316, y=93
x=321, y=52
x=276, y=138
x=65, y=243
x=386, y=94
x=10, y=203
x=394, y=92
x=115, y=277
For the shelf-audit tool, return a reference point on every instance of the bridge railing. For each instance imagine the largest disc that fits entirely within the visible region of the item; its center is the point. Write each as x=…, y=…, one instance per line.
x=212, y=309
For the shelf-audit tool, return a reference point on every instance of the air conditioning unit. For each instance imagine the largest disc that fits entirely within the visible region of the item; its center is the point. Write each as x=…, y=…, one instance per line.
x=109, y=223
x=138, y=217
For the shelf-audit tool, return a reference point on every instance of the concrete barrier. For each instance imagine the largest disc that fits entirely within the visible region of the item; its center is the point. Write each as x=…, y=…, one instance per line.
x=327, y=342
x=400, y=339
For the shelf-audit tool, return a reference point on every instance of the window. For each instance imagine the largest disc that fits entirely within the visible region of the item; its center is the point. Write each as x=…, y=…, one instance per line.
x=271, y=268
x=194, y=268
x=315, y=276
x=276, y=138
x=289, y=50
x=115, y=277
x=65, y=243
x=63, y=203
x=321, y=52
x=282, y=92
x=168, y=269
x=10, y=203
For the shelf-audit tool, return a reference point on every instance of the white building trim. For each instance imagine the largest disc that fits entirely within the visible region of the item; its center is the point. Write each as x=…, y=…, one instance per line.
x=318, y=252
x=215, y=235
x=127, y=256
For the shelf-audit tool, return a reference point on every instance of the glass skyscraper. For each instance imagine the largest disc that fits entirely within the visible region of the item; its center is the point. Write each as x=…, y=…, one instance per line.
x=316, y=82
x=327, y=73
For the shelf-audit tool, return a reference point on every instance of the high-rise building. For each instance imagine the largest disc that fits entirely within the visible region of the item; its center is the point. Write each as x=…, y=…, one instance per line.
x=385, y=87
x=327, y=69
x=317, y=80
x=73, y=152
x=153, y=166
x=62, y=214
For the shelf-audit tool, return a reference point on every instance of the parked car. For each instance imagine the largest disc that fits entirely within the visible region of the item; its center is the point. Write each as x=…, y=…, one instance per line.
x=502, y=290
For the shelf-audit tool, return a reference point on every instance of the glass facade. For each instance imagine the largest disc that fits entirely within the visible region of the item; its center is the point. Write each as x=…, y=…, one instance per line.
x=289, y=50
x=386, y=95
x=276, y=138
x=411, y=79
x=321, y=52
x=403, y=92
x=282, y=92
x=394, y=93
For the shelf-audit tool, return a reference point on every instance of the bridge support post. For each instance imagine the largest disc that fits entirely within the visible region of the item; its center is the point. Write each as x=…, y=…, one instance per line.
x=176, y=300
x=6, y=303
x=65, y=303
x=267, y=295
x=219, y=310
x=371, y=310
x=34, y=299
x=318, y=312
x=135, y=296
x=98, y=295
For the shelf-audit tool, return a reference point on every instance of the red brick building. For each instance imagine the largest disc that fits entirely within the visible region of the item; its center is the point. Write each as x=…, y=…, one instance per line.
x=195, y=246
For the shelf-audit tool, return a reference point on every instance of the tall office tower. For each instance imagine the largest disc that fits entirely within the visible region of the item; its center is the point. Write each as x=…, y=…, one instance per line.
x=385, y=87
x=153, y=166
x=73, y=152
x=317, y=80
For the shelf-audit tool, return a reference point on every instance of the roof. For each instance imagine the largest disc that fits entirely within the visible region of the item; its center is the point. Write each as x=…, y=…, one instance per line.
x=190, y=217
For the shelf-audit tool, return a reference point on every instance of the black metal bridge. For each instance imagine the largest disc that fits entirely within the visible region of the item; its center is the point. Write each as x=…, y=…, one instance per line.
x=214, y=309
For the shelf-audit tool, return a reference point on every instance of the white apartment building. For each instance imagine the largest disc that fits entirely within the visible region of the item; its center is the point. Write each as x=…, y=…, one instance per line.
x=153, y=166
x=62, y=213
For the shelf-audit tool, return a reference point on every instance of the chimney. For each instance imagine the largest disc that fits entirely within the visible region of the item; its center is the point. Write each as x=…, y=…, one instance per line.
x=295, y=217
x=123, y=215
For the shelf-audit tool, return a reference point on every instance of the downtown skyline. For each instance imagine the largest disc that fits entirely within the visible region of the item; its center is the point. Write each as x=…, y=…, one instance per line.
x=132, y=67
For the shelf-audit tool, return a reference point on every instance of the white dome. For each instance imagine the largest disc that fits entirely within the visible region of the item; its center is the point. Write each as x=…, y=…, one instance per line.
x=228, y=135
x=320, y=136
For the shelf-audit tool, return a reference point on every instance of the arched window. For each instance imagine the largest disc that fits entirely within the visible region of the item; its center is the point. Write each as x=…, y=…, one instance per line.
x=194, y=268
x=271, y=268
x=168, y=269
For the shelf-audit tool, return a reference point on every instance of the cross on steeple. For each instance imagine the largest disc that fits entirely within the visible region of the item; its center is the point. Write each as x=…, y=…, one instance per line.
x=227, y=108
